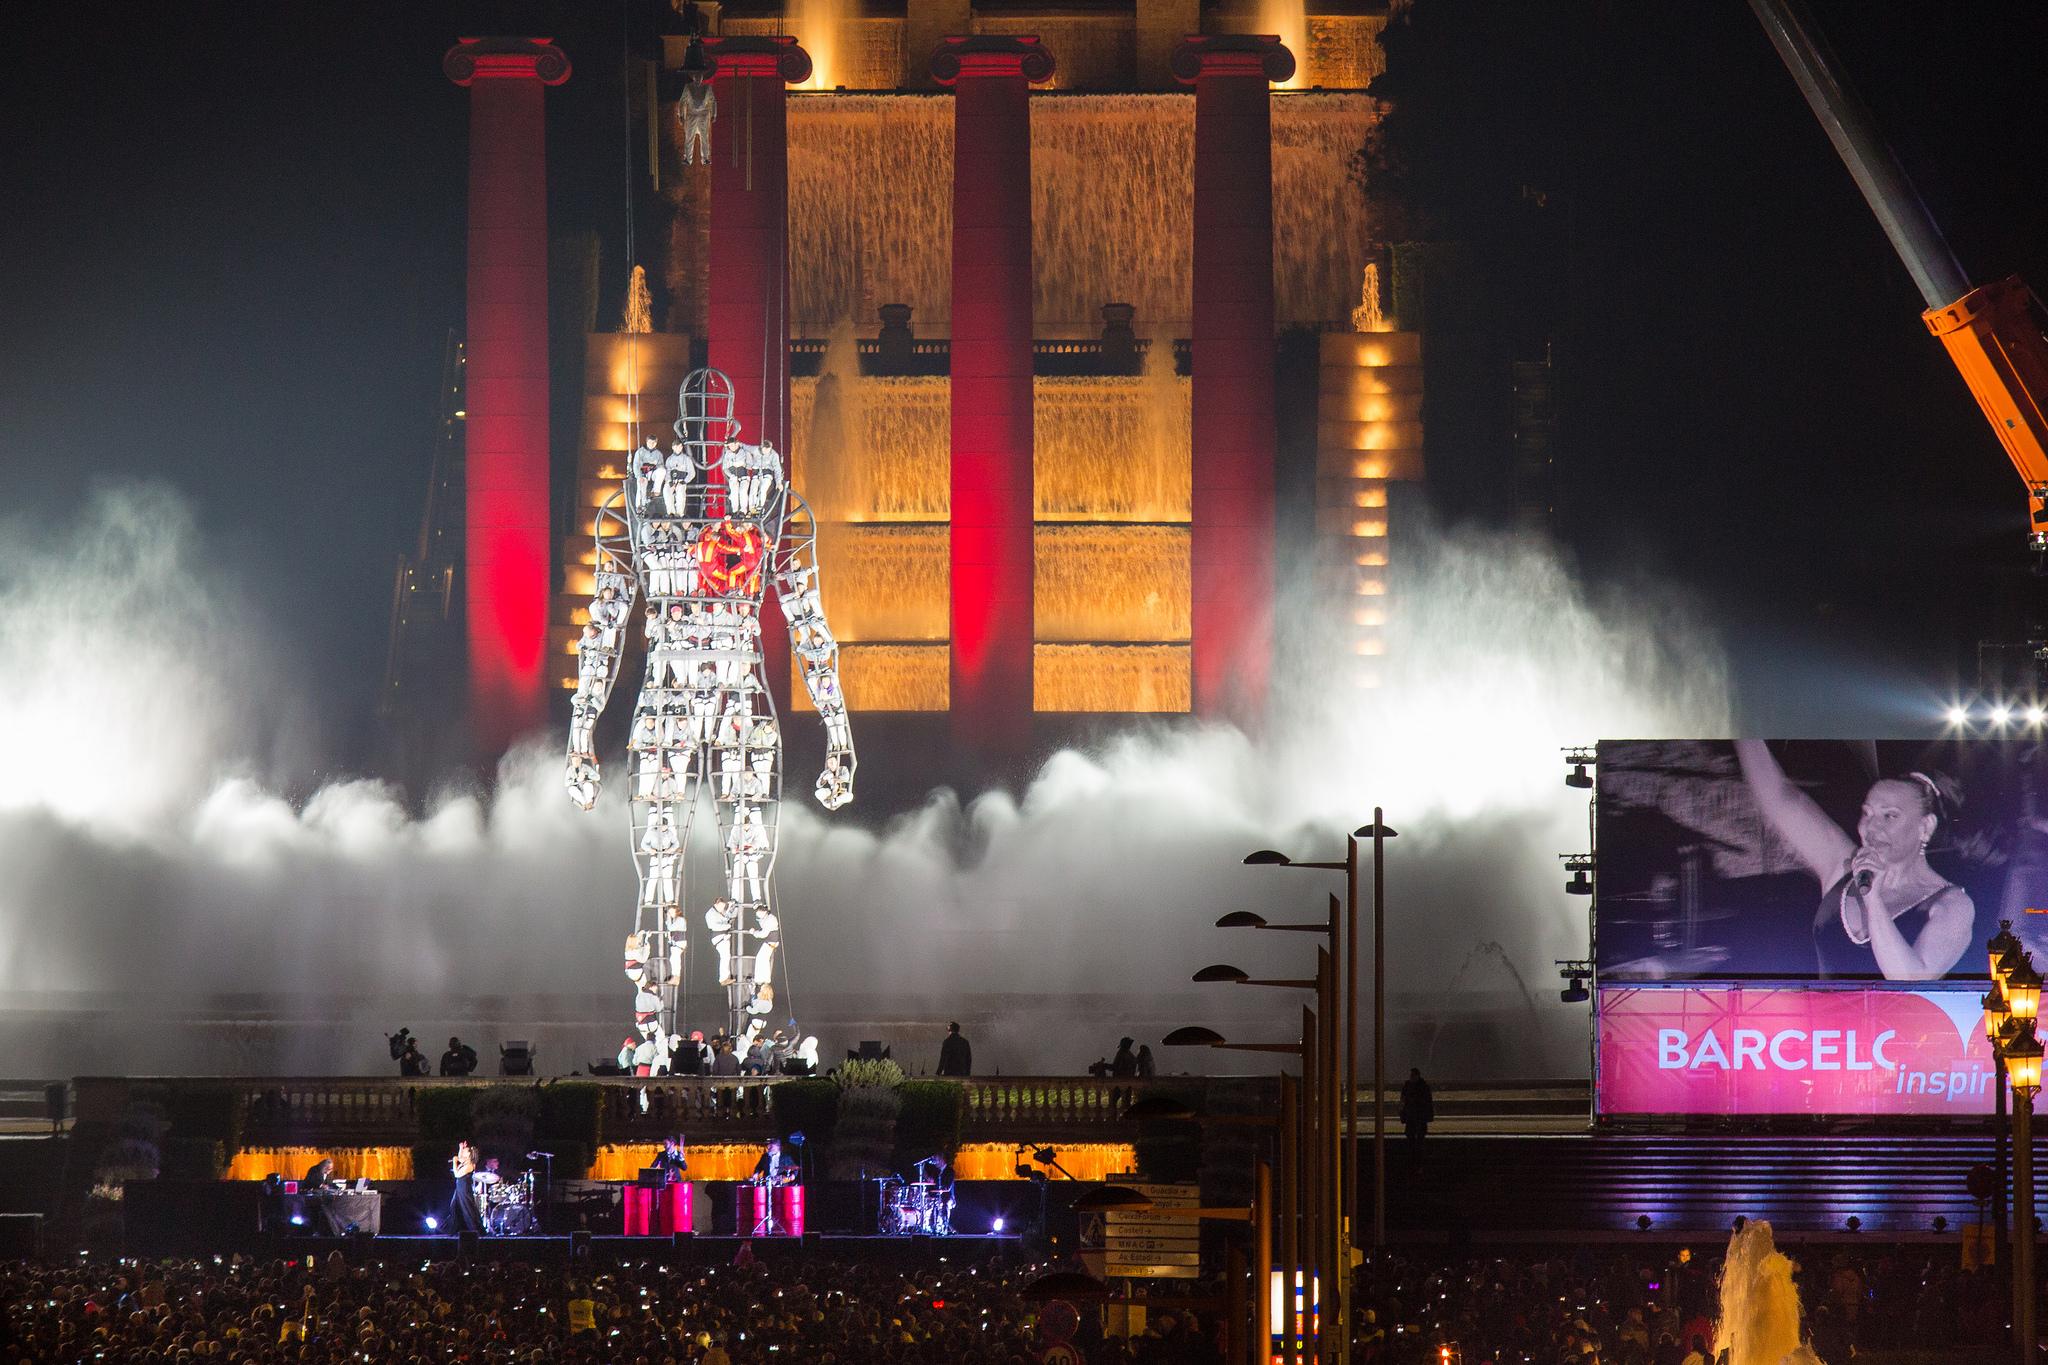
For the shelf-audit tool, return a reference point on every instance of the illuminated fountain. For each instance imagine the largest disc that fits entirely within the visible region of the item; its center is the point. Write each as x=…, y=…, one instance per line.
x=1289, y=19
x=1759, y=1319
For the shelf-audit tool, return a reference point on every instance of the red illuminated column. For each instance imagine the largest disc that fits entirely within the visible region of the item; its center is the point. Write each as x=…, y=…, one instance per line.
x=748, y=313
x=1232, y=551
x=992, y=626
x=507, y=560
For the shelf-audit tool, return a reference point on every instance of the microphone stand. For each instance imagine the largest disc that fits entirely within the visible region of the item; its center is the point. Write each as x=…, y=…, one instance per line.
x=547, y=1185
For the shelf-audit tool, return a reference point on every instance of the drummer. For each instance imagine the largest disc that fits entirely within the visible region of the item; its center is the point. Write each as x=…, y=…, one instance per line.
x=486, y=1176
x=670, y=1160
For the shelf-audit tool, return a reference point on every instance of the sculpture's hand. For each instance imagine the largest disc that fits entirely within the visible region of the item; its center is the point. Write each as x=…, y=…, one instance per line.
x=583, y=781
x=835, y=786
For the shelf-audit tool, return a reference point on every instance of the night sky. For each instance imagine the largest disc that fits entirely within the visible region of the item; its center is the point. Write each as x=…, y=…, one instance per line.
x=233, y=244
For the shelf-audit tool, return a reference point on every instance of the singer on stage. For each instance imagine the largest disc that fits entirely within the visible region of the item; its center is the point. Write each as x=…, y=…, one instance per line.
x=670, y=1160
x=1882, y=907
x=463, y=1215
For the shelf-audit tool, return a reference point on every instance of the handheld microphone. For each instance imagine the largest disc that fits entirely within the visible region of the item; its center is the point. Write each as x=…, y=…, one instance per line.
x=1861, y=881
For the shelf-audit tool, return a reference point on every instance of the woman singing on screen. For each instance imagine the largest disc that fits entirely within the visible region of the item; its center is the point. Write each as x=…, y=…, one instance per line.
x=1881, y=904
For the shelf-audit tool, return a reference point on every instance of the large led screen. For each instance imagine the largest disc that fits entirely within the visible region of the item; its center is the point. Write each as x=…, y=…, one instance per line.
x=1807, y=860
x=1751, y=1050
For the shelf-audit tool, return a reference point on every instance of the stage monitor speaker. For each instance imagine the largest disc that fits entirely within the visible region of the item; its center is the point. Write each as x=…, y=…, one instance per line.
x=579, y=1246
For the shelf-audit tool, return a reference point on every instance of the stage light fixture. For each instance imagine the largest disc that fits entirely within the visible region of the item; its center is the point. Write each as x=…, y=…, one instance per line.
x=2001, y=715
x=433, y=1223
x=515, y=1057
x=1957, y=716
x=1854, y=1224
x=1581, y=758
x=1642, y=1222
x=1575, y=993
x=2035, y=716
x=298, y=1220
x=1580, y=865
x=1193, y=1035
x=996, y=1226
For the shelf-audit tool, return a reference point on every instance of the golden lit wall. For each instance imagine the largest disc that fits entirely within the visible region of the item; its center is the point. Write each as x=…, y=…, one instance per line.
x=1112, y=203
x=886, y=678
x=376, y=1164
x=1110, y=583
x=847, y=50
x=624, y=376
x=857, y=51
x=708, y=1161
x=1085, y=1160
x=1118, y=678
x=1113, y=449
x=1111, y=589
x=871, y=449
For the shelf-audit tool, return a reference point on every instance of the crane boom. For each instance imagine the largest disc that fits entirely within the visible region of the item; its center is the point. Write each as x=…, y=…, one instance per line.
x=1995, y=334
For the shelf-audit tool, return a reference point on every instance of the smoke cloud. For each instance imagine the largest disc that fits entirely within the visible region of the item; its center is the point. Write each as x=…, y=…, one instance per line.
x=179, y=898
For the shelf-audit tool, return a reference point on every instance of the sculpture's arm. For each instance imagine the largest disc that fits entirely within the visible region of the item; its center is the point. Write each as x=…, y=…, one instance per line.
x=614, y=564
x=794, y=577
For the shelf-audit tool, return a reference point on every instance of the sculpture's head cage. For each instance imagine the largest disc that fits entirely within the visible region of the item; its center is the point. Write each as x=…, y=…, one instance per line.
x=706, y=423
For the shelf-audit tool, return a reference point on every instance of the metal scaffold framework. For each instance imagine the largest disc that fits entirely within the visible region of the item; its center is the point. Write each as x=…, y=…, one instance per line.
x=705, y=530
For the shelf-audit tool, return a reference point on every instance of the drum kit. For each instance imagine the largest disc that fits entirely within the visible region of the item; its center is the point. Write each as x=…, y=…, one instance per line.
x=510, y=1208
x=918, y=1207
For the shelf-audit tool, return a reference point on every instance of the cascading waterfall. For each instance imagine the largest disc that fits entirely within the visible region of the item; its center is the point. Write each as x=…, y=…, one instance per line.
x=1112, y=189
x=1115, y=448
x=872, y=455
x=1111, y=583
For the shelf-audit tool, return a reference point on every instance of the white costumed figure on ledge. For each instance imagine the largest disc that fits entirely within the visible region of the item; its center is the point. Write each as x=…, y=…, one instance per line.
x=707, y=528
x=695, y=111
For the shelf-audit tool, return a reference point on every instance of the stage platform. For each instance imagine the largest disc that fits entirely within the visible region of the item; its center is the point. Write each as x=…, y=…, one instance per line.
x=683, y=1250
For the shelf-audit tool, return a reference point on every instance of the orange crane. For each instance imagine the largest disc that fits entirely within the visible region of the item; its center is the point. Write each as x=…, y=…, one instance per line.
x=1996, y=333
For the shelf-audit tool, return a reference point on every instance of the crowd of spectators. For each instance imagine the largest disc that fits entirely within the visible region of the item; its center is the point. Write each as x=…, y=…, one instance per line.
x=1596, y=1306
x=1638, y=1306
x=235, y=1311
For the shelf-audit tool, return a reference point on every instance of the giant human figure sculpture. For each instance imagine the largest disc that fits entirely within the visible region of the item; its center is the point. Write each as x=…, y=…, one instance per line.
x=706, y=529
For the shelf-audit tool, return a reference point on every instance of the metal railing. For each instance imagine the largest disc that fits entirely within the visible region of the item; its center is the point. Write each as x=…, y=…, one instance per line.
x=384, y=1110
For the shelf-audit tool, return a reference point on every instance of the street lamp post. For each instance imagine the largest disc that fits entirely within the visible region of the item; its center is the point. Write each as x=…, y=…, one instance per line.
x=1297, y=1164
x=2023, y=1065
x=1995, y=1017
x=1314, y=1212
x=1380, y=834
x=1344, y=943
x=2010, y=1020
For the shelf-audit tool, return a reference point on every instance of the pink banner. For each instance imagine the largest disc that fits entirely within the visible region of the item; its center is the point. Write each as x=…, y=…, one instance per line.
x=1791, y=1050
